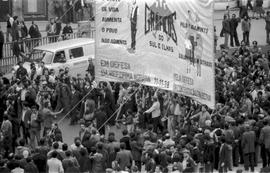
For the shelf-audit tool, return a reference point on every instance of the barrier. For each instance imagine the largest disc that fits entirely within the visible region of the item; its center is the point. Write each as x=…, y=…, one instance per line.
x=27, y=45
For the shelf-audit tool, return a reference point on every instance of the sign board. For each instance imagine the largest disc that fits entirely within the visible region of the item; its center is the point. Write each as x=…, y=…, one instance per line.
x=167, y=43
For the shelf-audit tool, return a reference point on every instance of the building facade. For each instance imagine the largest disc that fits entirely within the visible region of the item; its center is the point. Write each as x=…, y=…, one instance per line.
x=69, y=10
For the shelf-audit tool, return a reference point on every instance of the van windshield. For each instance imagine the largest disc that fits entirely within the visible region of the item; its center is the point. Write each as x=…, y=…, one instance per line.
x=42, y=55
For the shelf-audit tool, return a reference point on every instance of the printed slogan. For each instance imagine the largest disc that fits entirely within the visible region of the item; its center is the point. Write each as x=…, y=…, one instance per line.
x=162, y=43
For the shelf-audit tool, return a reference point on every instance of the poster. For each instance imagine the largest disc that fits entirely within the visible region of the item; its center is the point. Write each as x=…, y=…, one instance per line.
x=167, y=44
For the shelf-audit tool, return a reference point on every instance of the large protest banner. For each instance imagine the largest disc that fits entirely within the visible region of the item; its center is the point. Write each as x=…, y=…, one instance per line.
x=167, y=43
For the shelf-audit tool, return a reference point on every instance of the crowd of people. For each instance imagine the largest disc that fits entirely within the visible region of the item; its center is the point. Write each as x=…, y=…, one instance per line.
x=230, y=23
x=161, y=131
x=23, y=37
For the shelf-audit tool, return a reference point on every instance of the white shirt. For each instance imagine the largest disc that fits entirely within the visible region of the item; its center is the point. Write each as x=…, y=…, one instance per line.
x=11, y=20
x=55, y=166
x=155, y=110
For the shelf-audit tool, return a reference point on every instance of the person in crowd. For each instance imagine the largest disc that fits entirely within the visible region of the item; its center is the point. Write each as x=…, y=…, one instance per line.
x=34, y=33
x=258, y=9
x=67, y=31
x=203, y=115
x=51, y=29
x=265, y=144
x=248, y=146
x=226, y=30
x=233, y=30
x=54, y=164
x=246, y=26
x=224, y=157
x=2, y=40
x=58, y=26
x=34, y=120
x=155, y=111
x=10, y=21
x=267, y=26
x=34, y=30
x=124, y=158
x=6, y=133
x=21, y=71
x=125, y=139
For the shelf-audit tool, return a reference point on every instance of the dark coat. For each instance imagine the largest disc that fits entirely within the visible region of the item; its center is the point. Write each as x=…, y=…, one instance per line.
x=248, y=142
x=265, y=136
x=67, y=30
x=126, y=140
x=30, y=168
x=136, y=150
x=124, y=159
x=224, y=156
x=2, y=38
x=84, y=163
x=34, y=31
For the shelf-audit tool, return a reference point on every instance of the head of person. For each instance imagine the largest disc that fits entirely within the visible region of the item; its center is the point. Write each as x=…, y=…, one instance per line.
x=54, y=154
x=77, y=142
x=55, y=145
x=125, y=132
x=203, y=108
x=122, y=146
x=233, y=16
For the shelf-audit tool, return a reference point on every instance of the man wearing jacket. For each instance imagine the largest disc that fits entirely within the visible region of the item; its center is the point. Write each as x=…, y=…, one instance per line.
x=124, y=157
x=32, y=122
x=265, y=142
x=248, y=146
x=233, y=28
x=267, y=26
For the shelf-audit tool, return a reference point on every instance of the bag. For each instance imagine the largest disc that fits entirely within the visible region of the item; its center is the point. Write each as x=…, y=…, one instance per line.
x=221, y=33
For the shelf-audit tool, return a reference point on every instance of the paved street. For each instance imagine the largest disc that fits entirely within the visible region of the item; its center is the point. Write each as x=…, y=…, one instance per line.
x=257, y=33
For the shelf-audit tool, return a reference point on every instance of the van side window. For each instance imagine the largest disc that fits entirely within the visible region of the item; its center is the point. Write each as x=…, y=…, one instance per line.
x=59, y=57
x=76, y=52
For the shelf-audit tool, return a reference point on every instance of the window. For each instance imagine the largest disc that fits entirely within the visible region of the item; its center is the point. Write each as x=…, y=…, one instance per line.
x=42, y=55
x=76, y=52
x=59, y=57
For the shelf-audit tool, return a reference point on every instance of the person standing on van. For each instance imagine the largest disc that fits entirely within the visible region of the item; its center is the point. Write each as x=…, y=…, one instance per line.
x=246, y=26
x=10, y=21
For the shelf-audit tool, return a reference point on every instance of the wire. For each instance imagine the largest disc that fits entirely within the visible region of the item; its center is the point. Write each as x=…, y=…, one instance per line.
x=74, y=106
x=118, y=109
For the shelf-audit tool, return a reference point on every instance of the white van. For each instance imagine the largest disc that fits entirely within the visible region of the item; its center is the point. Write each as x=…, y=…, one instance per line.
x=74, y=54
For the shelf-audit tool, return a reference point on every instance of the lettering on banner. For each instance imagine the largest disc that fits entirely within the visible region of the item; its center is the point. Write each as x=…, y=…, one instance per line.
x=191, y=92
x=112, y=31
x=161, y=83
